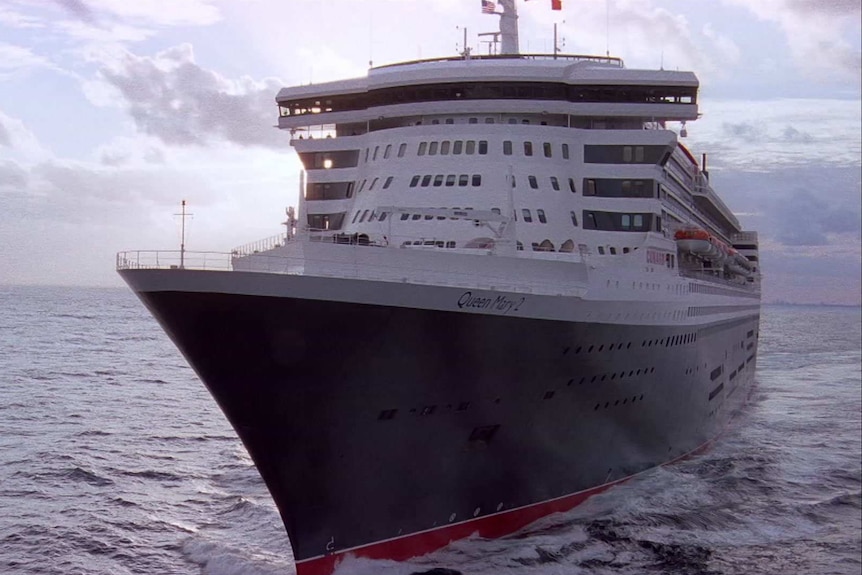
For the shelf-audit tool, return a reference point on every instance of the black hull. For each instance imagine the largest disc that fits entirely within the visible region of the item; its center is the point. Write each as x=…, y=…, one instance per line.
x=370, y=423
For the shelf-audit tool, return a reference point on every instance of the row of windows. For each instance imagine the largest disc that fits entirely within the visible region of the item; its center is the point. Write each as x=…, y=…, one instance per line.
x=501, y=90
x=547, y=149
x=592, y=187
x=449, y=180
x=457, y=147
x=593, y=154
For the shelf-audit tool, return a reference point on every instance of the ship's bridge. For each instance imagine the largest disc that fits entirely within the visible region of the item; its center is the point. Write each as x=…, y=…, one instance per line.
x=586, y=86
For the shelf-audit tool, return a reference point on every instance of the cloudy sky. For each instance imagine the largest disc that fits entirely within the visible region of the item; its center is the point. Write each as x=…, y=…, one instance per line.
x=112, y=112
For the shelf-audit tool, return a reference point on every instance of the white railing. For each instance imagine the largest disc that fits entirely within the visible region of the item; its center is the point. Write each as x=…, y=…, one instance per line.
x=258, y=246
x=411, y=270
x=160, y=259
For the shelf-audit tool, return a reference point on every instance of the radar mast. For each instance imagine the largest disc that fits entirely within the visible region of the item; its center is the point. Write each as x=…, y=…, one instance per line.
x=508, y=27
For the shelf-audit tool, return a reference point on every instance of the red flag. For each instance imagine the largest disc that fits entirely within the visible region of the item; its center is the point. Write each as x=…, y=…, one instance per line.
x=556, y=4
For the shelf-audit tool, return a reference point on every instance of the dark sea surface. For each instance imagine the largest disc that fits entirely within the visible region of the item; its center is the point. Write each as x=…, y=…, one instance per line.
x=115, y=460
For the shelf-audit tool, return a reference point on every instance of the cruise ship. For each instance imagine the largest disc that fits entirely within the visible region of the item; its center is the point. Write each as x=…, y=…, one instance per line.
x=507, y=285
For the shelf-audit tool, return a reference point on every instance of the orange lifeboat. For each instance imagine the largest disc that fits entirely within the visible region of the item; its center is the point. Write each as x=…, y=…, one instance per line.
x=698, y=242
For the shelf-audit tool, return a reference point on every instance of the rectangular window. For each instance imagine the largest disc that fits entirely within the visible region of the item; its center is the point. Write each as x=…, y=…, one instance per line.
x=608, y=154
x=528, y=217
x=387, y=151
x=555, y=183
x=477, y=180
x=572, y=185
x=402, y=149
x=364, y=215
x=366, y=155
x=473, y=120
x=507, y=147
x=438, y=180
x=422, y=147
x=617, y=188
x=489, y=120
x=541, y=215
x=457, y=147
x=426, y=180
x=565, y=151
x=450, y=180
x=483, y=147
x=373, y=183
x=444, y=148
x=546, y=147
x=388, y=182
x=627, y=188
x=432, y=149
x=528, y=148
x=574, y=217
x=374, y=157
x=463, y=180
x=534, y=183
x=414, y=181
x=617, y=222
x=356, y=215
x=471, y=147
x=383, y=216
x=405, y=217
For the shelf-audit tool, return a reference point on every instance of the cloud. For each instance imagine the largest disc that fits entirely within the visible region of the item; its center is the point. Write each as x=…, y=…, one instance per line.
x=823, y=36
x=14, y=19
x=172, y=98
x=15, y=58
x=766, y=134
x=12, y=176
x=805, y=219
x=19, y=142
x=5, y=138
x=744, y=131
x=146, y=12
x=77, y=8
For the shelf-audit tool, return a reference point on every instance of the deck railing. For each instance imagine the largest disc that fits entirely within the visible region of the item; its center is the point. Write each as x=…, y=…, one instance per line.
x=175, y=259
x=258, y=246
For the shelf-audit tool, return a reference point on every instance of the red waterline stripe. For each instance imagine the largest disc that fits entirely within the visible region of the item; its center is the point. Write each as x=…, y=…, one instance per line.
x=491, y=527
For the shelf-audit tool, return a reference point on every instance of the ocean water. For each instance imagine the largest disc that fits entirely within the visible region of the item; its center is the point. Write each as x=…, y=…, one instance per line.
x=115, y=460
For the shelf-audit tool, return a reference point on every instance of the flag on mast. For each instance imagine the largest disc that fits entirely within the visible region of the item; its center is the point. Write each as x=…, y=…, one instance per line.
x=555, y=4
x=488, y=7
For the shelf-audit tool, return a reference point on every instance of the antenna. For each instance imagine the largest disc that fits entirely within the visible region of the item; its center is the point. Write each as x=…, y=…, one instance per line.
x=607, y=28
x=370, y=37
x=183, y=215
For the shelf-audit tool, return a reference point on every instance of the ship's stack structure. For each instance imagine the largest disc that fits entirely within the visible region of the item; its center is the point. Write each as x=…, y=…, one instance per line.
x=508, y=286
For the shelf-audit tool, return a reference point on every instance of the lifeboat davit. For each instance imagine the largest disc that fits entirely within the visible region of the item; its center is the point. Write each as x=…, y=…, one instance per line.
x=738, y=264
x=697, y=242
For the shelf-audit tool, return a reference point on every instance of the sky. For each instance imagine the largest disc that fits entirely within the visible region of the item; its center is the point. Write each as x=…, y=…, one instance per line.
x=112, y=112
